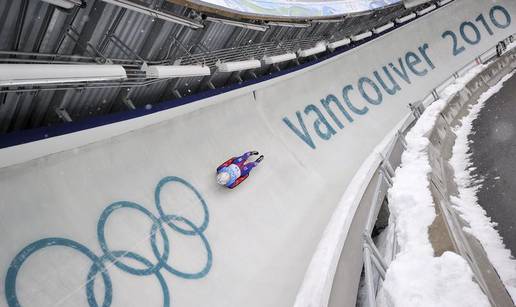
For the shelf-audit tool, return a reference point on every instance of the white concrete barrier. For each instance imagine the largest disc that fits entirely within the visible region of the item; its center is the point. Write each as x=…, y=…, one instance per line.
x=247, y=247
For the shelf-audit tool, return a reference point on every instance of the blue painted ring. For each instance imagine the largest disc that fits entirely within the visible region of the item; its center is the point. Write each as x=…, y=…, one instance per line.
x=157, y=193
x=209, y=258
x=12, y=273
x=103, y=244
x=90, y=285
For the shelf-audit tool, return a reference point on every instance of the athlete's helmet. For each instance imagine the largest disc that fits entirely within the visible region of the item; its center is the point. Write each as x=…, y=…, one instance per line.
x=223, y=178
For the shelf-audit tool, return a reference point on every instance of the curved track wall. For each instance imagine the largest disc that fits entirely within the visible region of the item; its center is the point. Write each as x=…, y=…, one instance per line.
x=142, y=191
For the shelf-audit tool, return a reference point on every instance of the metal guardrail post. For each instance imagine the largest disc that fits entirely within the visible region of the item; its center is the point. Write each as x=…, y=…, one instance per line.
x=369, y=278
x=435, y=94
x=417, y=108
x=378, y=259
x=387, y=177
x=414, y=111
x=389, y=168
x=373, y=259
x=378, y=265
x=374, y=204
x=401, y=138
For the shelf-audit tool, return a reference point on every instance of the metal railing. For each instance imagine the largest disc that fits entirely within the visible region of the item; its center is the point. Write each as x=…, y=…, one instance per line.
x=135, y=75
x=134, y=63
x=376, y=264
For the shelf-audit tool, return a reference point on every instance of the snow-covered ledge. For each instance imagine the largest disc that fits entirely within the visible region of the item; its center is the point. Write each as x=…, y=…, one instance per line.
x=416, y=276
x=425, y=184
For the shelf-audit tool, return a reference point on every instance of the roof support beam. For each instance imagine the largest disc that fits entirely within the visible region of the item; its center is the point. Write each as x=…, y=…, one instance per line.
x=63, y=114
x=67, y=4
x=245, y=25
x=156, y=14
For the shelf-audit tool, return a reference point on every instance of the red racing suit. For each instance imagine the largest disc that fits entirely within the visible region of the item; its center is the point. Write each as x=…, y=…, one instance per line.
x=240, y=163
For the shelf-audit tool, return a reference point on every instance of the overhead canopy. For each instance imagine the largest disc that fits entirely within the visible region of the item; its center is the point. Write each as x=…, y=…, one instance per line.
x=180, y=58
x=302, y=8
x=291, y=9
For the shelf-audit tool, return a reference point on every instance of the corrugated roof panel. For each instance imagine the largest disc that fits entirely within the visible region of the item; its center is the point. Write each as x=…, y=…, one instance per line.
x=40, y=27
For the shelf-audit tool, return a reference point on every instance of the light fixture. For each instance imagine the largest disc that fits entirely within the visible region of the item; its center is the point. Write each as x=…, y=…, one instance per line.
x=288, y=24
x=411, y=3
x=406, y=18
x=383, y=28
x=268, y=60
x=176, y=71
x=238, y=65
x=361, y=36
x=245, y=25
x=319, y=48
x=32, y=74
x=444, y=2
x=426, y=10
x=66, y=4
x=339, y=43
x=155, y=13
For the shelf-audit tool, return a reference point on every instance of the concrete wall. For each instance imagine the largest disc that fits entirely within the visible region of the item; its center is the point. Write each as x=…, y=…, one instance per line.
x=67, y=215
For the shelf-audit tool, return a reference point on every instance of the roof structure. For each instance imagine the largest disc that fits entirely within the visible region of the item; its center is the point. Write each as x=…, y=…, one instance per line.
x=134, y=35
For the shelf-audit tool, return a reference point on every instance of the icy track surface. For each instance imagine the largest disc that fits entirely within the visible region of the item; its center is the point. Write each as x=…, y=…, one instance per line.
x=467, y=202
x=416, y=277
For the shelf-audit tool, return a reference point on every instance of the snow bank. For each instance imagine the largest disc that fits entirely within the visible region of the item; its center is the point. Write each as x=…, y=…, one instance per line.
x=467, y=202
x=420, y=280
x=416, y=277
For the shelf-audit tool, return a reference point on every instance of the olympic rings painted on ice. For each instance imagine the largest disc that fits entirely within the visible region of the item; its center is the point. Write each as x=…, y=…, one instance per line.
x=157, y=194
x=115, y=257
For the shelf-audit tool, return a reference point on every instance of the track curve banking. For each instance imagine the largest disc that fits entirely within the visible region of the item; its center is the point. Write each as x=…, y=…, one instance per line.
x=129, y=214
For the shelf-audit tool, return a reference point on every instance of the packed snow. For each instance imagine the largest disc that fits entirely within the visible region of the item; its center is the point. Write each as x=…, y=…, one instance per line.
x=480, y=225
x=416, y=277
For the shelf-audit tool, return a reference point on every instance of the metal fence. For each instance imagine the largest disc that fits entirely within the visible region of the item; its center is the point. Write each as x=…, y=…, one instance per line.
x=375, y=264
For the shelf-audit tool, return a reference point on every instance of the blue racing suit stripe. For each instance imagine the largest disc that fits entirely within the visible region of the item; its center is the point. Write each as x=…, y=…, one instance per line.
x=237, y=168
